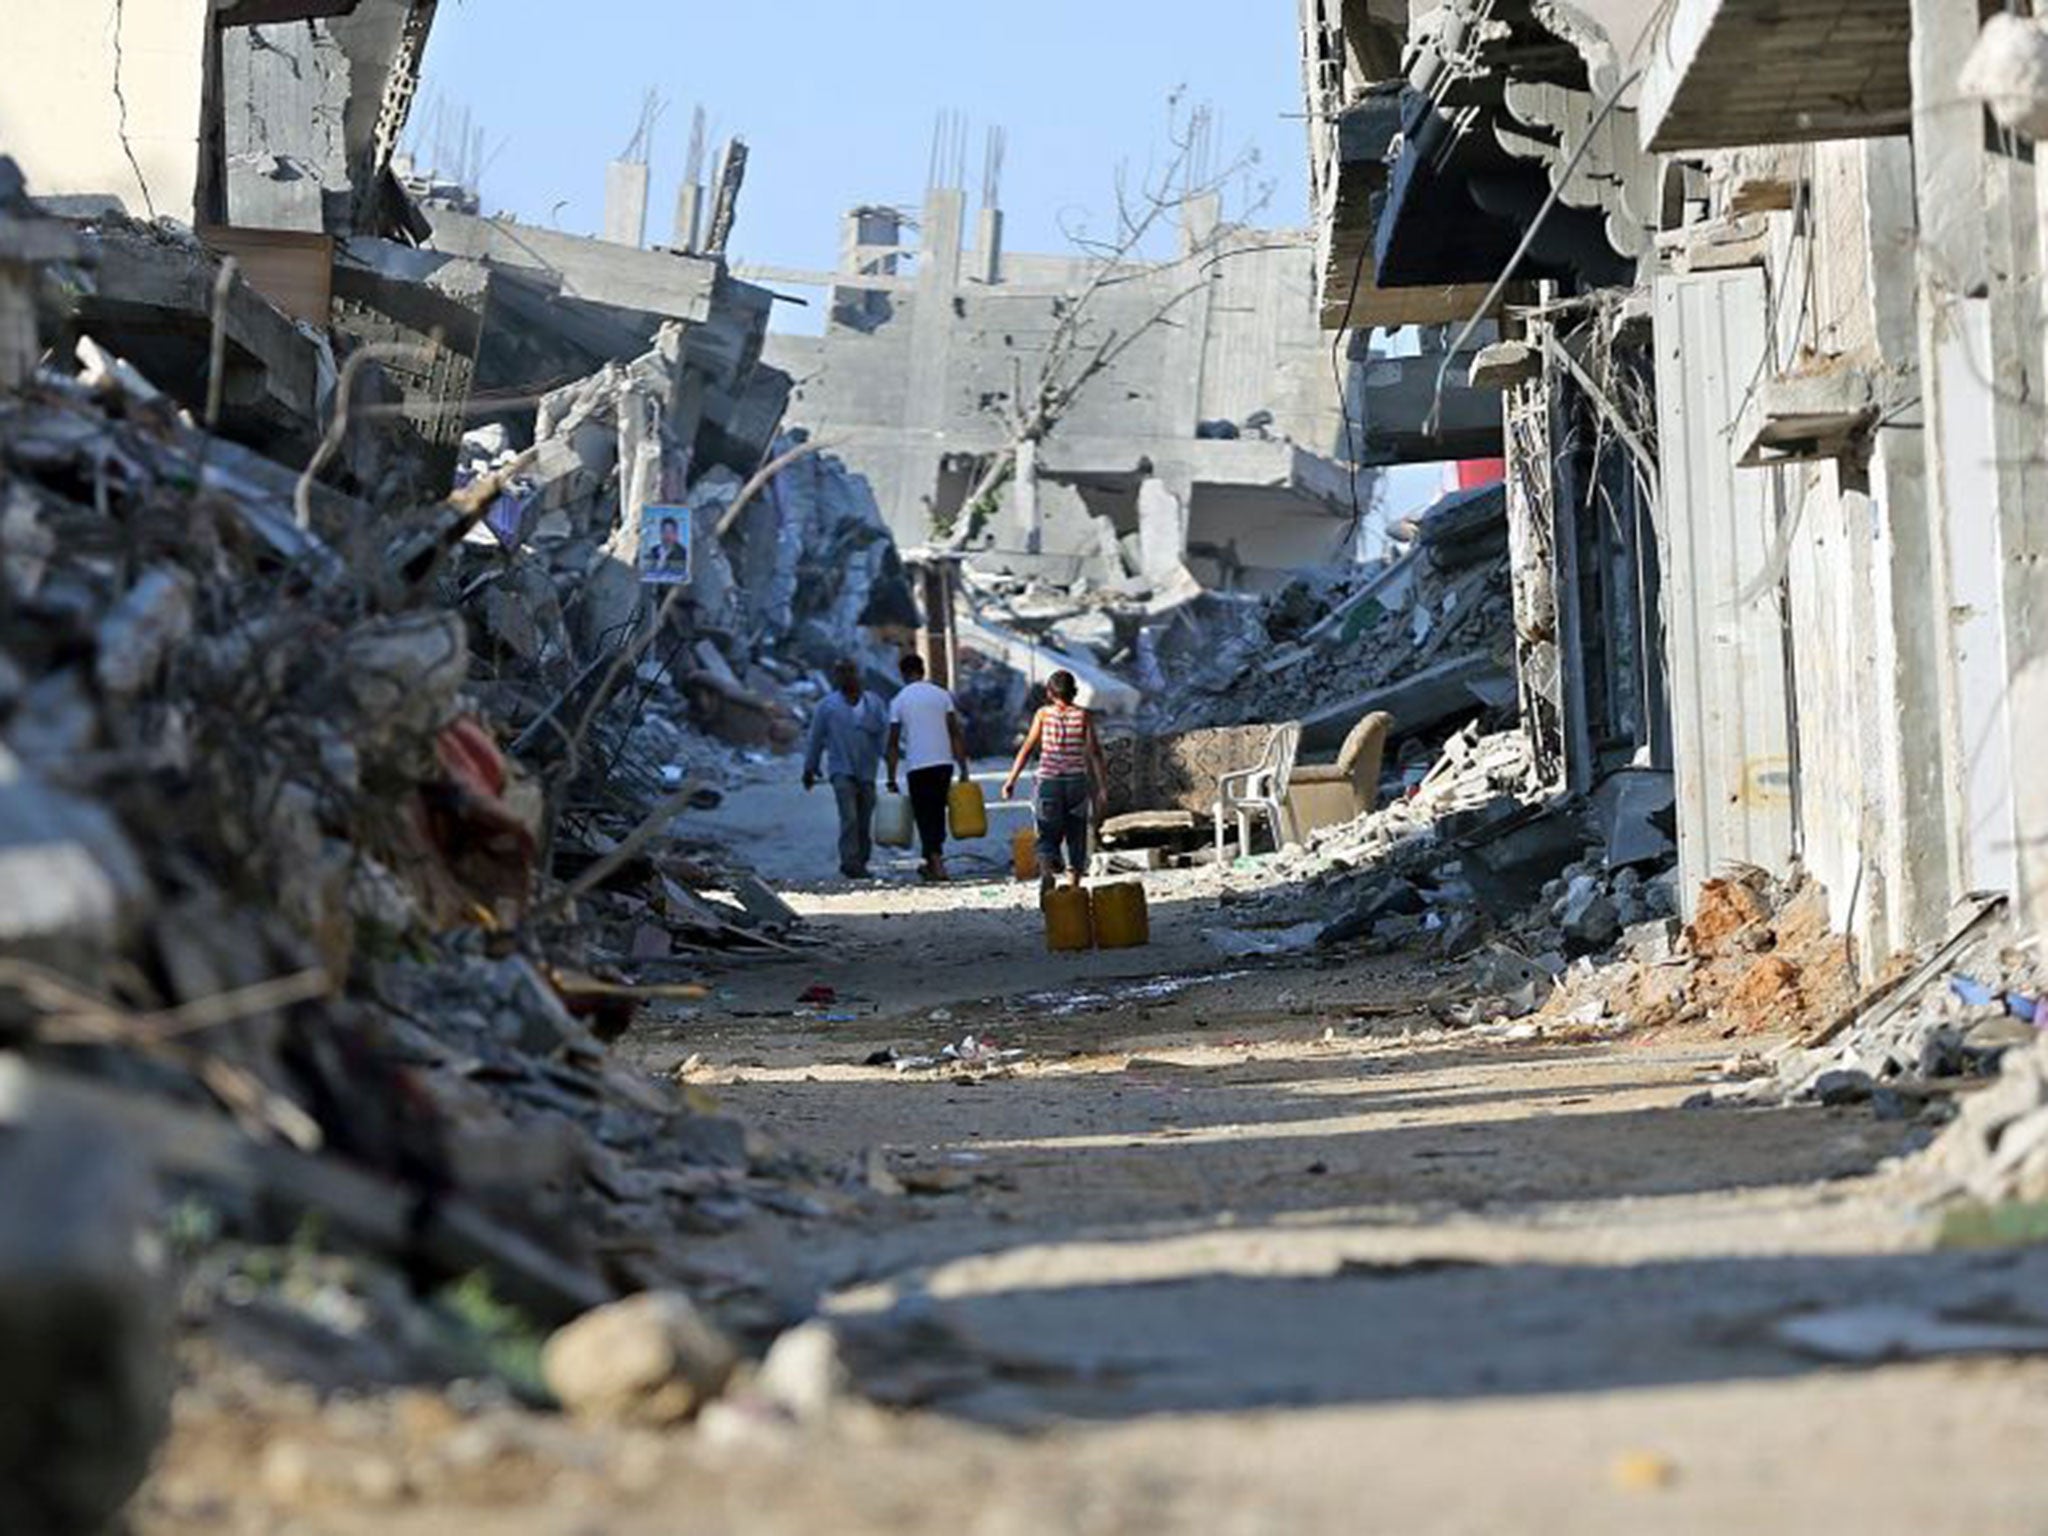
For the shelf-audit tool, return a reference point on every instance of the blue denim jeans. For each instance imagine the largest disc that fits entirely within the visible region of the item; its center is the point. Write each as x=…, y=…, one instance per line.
x=856, y=824
x=1063, y=823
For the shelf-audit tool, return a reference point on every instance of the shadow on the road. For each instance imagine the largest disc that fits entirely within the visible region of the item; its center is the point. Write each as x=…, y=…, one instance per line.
x=1247, y=1168
x=1444, y=1332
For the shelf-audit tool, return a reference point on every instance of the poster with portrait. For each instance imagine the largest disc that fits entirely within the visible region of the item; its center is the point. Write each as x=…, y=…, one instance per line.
x=665, y=546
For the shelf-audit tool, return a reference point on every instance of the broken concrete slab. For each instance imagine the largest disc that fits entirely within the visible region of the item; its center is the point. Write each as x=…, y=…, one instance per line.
x=152, y=301
x=1417, y=702
x=1504, y=365
x=1817, y=413
x=653, y=282
x=70, y=883
x=1633, y=809
x=1100, y=689
x=1093, y=632
x=1466, y=527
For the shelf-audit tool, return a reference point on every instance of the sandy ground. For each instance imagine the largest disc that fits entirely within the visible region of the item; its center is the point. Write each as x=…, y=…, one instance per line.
x=1238, y=1248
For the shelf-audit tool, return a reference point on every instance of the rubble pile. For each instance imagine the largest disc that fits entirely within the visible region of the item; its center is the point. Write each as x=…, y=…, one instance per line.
x=1426, y=636
x=1916, y=1034
x=1442, y=611
x=1396, y=873
x=785, y=575
x=1996, y=1150
x=276, y=900
x=626, y=695
x=1757, y=958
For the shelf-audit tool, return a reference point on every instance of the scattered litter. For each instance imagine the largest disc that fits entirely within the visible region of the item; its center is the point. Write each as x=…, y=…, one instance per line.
x=1643, y=1472
x=1870, y=1335
x=1239, y=944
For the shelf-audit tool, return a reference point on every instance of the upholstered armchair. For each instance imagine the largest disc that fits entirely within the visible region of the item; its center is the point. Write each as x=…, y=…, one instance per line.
x=1330, y=794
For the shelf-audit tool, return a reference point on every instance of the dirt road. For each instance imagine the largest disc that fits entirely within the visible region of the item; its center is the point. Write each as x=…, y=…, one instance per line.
x=1263, y=1249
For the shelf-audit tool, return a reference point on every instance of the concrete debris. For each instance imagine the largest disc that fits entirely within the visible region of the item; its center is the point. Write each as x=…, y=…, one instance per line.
x=1424, y=637
x=334, y=813
x=805, y=1373
x=650, y=1359
x=74, y=886
x=1997, y=1148
x=1237, y=943
x=1588, y=918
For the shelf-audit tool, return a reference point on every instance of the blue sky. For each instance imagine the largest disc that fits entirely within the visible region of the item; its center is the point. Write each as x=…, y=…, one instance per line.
x=837, y=101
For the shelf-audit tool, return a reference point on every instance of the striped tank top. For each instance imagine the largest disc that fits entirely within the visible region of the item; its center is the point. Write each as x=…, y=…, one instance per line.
x=1062, y=745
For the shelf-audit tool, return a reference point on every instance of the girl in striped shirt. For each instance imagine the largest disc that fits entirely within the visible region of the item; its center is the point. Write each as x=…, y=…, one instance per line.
x=1072, y=779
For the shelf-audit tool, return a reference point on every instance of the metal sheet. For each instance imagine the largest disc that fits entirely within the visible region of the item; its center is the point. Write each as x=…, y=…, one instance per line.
x=1731, y=731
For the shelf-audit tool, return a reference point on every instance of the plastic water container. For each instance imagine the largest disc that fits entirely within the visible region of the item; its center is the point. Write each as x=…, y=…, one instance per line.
x=967, y=810
x=1069, y=924
x=1024, y=853
x=892, y=820
x=1121, y=918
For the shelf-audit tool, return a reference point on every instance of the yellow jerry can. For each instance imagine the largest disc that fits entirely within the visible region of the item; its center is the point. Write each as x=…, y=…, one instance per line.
x=1068, y=924
x=1024, y=854
x=1121, y=918
x=966, y=810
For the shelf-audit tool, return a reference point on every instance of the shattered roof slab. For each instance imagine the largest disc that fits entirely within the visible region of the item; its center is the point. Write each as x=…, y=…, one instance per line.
x=1732, y=72
x=655, y=282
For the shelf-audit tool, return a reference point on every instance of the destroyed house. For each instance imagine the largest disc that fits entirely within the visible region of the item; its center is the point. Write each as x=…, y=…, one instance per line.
x=1212, y=440
x=1770, y=358
x=271, y=130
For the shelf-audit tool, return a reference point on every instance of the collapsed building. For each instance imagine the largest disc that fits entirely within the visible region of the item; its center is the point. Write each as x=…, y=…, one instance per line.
x=1189, y=509
x=270, y=134
x=378, y=584
x=1768, y=354
x=924, y=341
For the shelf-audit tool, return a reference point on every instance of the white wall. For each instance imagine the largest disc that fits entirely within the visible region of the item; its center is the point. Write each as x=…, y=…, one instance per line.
x=66, y=66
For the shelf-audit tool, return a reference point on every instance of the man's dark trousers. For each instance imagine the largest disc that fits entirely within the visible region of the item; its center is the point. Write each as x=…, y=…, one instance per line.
x=928, y=789
x=856, y=799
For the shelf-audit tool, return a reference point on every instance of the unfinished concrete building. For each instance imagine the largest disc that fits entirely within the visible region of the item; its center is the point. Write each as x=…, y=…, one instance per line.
x=1772, y=366
x=1216, y=441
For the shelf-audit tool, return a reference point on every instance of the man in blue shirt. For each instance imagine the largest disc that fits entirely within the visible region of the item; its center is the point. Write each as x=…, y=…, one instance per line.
x=846, y=740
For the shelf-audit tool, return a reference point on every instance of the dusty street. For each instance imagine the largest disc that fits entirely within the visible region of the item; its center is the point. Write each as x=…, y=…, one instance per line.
x=1257, y=1249
x=1507, y=536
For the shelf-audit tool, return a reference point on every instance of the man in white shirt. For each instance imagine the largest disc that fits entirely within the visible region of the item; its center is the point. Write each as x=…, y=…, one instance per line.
x=925, y=736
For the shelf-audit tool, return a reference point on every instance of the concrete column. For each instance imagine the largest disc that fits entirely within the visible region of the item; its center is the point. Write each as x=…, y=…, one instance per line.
x=1180, y=394
x=988, y=246
x=689, y=217
x=1162, y=532
x=931, y=335
x=1963, y=350
x=2027, y=638
x=625, y=203
x=1911, y=848
x=1024, y=497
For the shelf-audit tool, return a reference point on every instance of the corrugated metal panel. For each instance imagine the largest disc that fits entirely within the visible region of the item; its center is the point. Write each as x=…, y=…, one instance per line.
x=1730, y=722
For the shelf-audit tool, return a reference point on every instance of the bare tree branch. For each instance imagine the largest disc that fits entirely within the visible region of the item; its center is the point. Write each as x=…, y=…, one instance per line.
x=1081, y=345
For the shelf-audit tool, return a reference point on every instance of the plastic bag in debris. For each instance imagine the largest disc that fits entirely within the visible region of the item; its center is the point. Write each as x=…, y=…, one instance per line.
x=1238, y=944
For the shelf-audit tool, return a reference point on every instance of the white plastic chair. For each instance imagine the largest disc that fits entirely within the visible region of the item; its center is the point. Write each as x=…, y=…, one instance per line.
x=1261, y=790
